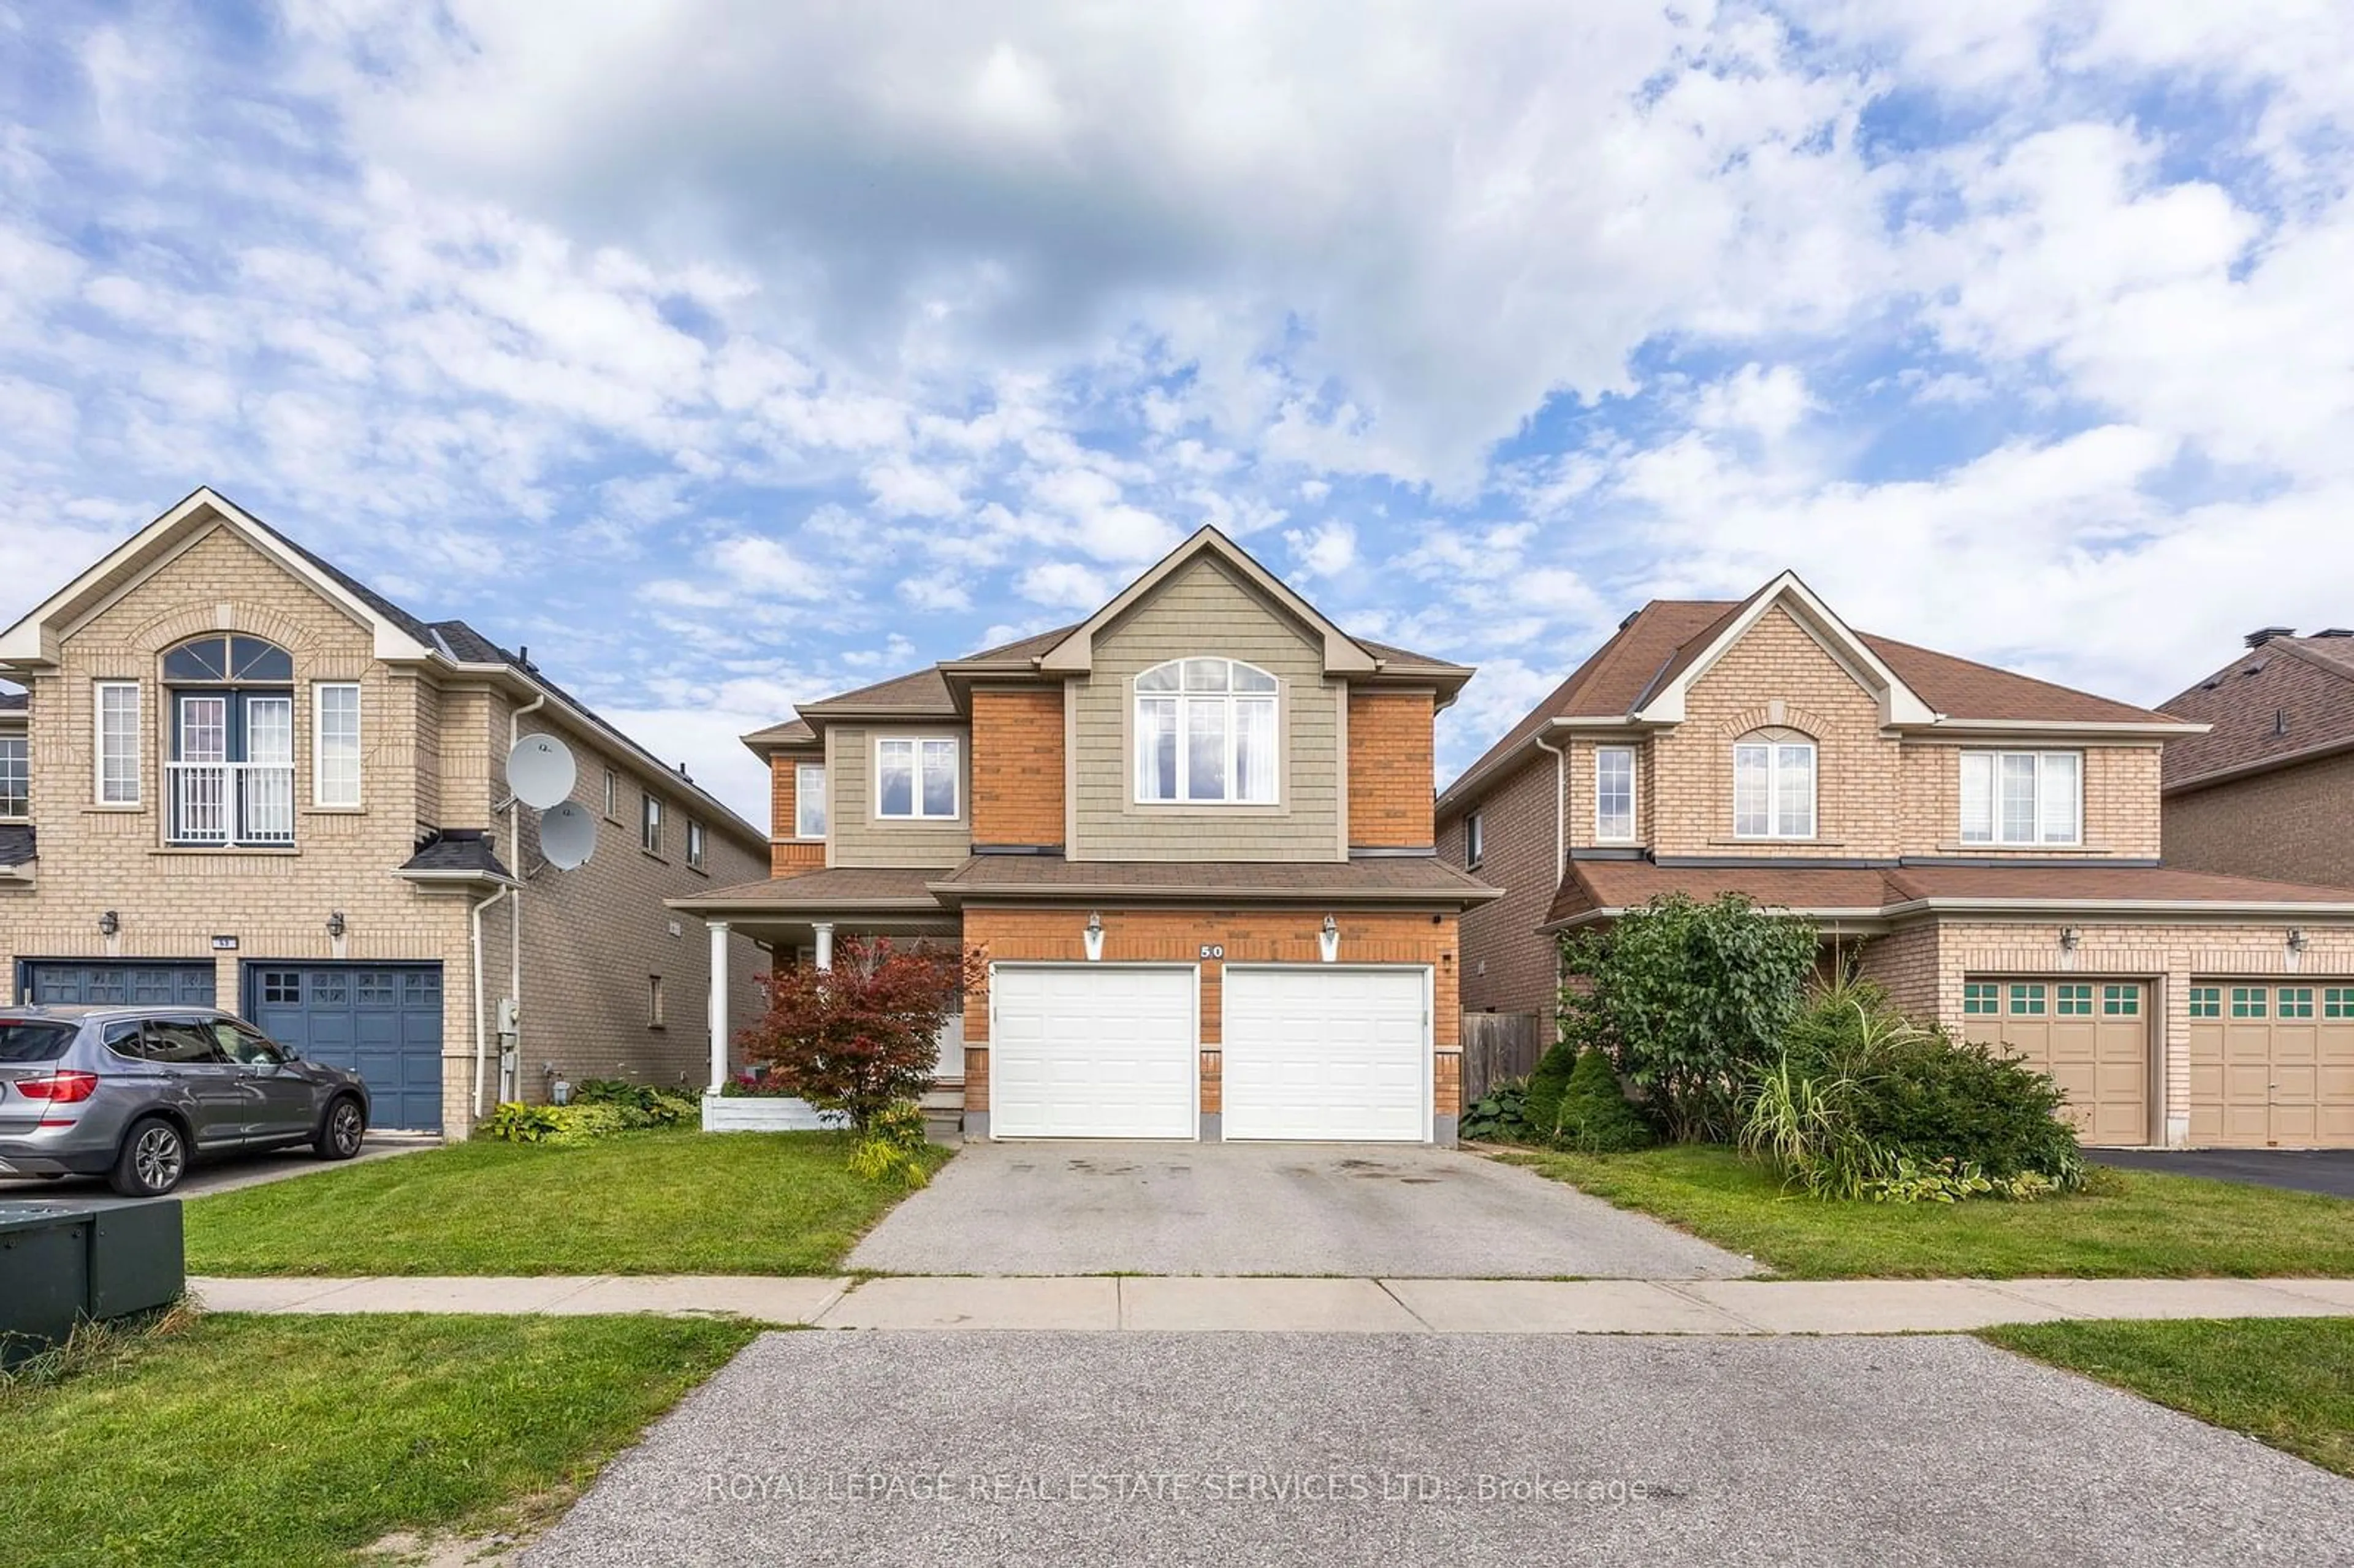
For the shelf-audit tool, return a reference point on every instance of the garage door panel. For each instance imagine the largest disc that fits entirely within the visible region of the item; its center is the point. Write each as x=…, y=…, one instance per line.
x=2283, y=1063
x=74, y=983
x=1096, y=1052
x=1326, y=1053
x=2090, y=1036
x=384, y=1023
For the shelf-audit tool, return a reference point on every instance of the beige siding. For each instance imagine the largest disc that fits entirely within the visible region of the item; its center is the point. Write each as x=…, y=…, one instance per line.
x=1205, y=611
x=855, y=836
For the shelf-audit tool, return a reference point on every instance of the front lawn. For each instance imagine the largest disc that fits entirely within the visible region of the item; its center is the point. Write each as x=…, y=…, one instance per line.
x=284, y=1441
x=646, y=1202
x=2128, y=1224
x=2287, y=1381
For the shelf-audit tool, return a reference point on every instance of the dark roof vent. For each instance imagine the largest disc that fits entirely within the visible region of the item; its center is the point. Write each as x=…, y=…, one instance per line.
x=2255, y=667
x=2335, y=631
x=1630, y=621
x=2257, y=639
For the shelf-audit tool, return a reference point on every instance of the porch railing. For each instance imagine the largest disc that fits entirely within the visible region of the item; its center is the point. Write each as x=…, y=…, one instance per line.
x=232, y=803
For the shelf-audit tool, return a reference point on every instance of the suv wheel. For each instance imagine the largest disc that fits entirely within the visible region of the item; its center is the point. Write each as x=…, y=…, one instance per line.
x=340, y=1133
x=154, y=1157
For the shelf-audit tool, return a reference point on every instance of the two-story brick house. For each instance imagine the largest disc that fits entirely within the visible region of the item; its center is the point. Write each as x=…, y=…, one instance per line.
x=1985, y=844
x=238, y=776
x=2269, y=789
x=1193, y=836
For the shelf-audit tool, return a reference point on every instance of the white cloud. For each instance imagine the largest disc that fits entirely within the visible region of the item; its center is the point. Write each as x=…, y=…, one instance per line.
x=1066, y=585
x=1324, y=551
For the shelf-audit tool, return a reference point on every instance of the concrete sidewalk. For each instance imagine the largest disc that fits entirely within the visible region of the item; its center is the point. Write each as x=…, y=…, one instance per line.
x=1252, y=1305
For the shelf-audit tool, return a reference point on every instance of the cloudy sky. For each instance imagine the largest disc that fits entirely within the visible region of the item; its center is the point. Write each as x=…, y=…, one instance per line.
x=730, y=353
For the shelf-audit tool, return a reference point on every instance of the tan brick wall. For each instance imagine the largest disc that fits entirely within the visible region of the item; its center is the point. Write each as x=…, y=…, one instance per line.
x=430, y=759
x=1391, y=766
x=1935, y=960
x=1859, y=779
x=1508, y=966
x=789, y=856
x=1177, y=936
x=1017, y=765
x=2292, y=825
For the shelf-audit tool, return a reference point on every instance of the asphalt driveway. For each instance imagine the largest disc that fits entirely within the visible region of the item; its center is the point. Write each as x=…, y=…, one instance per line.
x=1284, y=1448
x=2330, y=1171
x=218, y=1173
x=1385, y=1211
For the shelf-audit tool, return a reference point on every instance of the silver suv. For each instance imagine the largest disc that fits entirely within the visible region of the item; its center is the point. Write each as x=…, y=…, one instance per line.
x=133, y=1092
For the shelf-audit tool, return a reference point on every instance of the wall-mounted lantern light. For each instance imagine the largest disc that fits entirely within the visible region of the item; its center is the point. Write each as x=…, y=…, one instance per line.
x=2070, y=938
x=109, y=924
x=1328, y=940
x=1095, y=937
x=2296, y=939
x=335, y=924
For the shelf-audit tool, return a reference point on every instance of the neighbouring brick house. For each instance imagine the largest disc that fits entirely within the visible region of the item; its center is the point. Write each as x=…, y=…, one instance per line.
x=1985, y=844
x=2269, y=789
x=239, y=777
x=1192, y=835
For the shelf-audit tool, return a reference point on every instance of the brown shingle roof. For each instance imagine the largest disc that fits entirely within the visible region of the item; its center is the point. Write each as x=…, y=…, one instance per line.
x=1405, y=878
x=1958, y=688
x=2291, y=698
x=792, y=732
x=1625, y=885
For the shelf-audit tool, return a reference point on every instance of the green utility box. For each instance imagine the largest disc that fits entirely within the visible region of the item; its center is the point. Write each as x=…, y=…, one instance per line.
x=60, y=1263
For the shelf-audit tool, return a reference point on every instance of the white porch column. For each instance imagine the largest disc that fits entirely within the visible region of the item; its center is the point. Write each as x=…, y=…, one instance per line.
x=824, y=945
x=718, y=1008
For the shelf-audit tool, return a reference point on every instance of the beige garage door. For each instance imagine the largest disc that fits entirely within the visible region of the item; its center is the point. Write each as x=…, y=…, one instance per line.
x=2272, y=1065
x=2092, y=1036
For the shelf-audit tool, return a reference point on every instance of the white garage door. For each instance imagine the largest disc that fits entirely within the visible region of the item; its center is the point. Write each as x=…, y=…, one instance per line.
x=1320, y=1051
x=1092, y=1051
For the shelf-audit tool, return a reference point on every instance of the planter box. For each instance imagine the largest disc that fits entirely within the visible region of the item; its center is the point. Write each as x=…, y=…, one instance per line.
x=766, y=1113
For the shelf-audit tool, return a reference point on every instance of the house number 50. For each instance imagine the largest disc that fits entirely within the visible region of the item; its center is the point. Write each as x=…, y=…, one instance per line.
x=1214, y=951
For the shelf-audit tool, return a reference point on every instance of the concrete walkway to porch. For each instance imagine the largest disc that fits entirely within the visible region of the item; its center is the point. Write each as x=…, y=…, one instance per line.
x=1274, y=1305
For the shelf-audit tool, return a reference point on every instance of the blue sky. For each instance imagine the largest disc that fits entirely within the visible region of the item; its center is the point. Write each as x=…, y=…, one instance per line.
x=730, y=353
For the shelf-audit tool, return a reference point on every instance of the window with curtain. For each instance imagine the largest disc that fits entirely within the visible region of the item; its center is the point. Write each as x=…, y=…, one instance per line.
x=2022, y=797
x=1205, y=733
x=335, y=752
x=916, y=778
x=1773, y=788
x=1614, y=793
x=118, y=743
x=15, y=776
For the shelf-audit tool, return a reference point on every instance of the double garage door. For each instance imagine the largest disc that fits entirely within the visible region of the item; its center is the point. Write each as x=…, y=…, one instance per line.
x=1114, y=1050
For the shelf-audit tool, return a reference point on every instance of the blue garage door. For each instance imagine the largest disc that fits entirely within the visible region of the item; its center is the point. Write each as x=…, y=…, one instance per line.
x=70, y=982
x=382, y=1020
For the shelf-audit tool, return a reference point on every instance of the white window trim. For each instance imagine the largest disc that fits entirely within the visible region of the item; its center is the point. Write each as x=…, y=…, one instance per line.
x=612, y=796
x=1773, y=749
x=698, y=844
x=97, y=744
x=651, y=814
x=23, y=739
x=1475, y=841
x=1633, y=792
x=915, y=775
x=318, y=746
x=801, y=792
x=1232, y=699
x=1994, y=839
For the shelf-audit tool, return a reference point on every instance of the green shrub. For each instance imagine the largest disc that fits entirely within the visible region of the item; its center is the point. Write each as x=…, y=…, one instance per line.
x=1593, y=1115
x=893, y=1147
x=1936, y=1099
x=1689, y=1000
x=1500, y=1116
x=560, y=1127
x=1543, y=1107
x=641, y=1104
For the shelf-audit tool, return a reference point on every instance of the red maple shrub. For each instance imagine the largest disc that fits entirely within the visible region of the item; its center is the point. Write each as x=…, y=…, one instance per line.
x=864, y=1035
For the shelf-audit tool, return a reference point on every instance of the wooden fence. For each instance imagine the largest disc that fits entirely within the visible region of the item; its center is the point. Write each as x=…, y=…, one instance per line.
x=1497, y=1047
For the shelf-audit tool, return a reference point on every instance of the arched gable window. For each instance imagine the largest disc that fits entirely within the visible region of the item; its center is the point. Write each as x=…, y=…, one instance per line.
x=1773, y=785
x=1206, y=734
x=232, y=760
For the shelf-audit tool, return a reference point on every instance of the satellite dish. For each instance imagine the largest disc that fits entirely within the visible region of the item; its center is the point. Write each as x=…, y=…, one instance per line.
x=568, y=835
x=540, y=771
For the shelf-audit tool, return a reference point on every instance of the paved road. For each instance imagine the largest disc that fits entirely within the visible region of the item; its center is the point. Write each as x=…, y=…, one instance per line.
x=2330, y=1171
x=225, y=1173
x=1831, y=1451
x=1381, y=1210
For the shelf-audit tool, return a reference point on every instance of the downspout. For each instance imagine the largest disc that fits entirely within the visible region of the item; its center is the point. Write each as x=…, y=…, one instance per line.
x=1560, y=847
x=515, y=915
x=482, y=1035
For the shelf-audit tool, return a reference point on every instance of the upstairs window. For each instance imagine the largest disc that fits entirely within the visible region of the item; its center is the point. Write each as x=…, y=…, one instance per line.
x=1614, y=794
x=1205, y=733
x=1475, y=839
x=335, y=745
x=916, y=779
x=694, y=851
x=1774, y=786
x=15, y=778
x=229, y=661
x=650, y=824
x=809, y=801
x=232, y=734
x=2022, y=797
x=118, y=743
